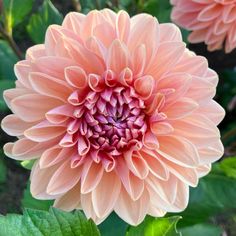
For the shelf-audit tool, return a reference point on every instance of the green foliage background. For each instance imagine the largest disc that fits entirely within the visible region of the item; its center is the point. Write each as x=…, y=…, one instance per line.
x=212, y=207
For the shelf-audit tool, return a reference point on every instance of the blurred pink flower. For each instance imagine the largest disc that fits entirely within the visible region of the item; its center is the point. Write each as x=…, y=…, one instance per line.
x=118, y=115
x=212, y=21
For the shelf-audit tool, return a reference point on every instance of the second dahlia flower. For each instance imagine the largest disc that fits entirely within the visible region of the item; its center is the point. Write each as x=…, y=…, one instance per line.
x=212, y=21
x=118, y=114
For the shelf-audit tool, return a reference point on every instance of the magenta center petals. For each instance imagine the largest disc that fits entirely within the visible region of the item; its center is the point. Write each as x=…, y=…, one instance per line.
x=111, y=121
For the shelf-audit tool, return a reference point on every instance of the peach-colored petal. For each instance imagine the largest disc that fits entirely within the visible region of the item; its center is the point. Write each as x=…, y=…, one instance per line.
x=178, y=150
x=133, y=185
x=118, y=57
x=73, y=21
x=91, y=176
x=25, y=149
x=210, y=21
x=123, y=26
x=139, y=60
x=49, y=86
x=165, y=189
x=35, y=52
x=39, y=181
x=181, y=108
x=156, y=167
x=54, y=155
x=69, y=201
x=131, y=211
x=11, y=94
x=170, y=53
x=144, y=30
x=87, y=206
x=44, y=131
x=76, y=76
x=24, y=106
x=117, y=112
x=144, y=86
x=60, y=114
x=187, y=175
x=105, y=195
x=136, y=164
x=64, y=179
x=22, y=70
x=14, y=126
x=161, y=128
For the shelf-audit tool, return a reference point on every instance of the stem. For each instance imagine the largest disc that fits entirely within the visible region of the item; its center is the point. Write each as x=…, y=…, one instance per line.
x=11, y=43
x=116, y=3
x=97, y=4
x=76, y=4
x=229, y=134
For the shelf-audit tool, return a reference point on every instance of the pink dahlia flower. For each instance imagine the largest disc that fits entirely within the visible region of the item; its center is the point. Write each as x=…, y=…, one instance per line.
x=118, y=115
x=212, y=21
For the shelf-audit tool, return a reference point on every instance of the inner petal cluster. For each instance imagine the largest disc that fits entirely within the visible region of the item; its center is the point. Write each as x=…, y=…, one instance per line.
x=111, y=120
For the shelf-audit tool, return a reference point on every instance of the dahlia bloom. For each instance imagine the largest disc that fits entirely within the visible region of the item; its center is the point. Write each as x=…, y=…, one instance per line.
x=118, y=114
x=212, y=21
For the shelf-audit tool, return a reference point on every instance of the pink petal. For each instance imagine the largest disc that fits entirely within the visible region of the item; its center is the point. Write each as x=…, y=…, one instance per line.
x=136, y=163
x=32, y=107
x=70, y=200
x=179, y=150
x=14, y=126
x=52, y=66
x=73, y=21
x=105, y=195
x=122, y=26
x=60, y=114
x=156, y=167
x=44, y=131
x=144, y=30
x=91, y=176
x=161, y=128
x=76, y=77
x=133, y=212
x=166, y=57
x=167, y=190
x=139, y=60
x=133, y=185
x=63, y=179
x=181, y=108
x=22, y=70
x=35, y=52
x=118, y=57
x=50, y=86
x=39, y=181
x=54, y=155
x=144, y=86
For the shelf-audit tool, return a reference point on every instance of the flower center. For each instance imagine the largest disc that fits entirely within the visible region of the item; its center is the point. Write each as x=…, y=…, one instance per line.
x=111, y=120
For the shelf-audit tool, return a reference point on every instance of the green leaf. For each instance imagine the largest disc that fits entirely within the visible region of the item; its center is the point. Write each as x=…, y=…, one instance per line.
x=3, y=171
x=28, y=201
x=202, y=229
x=155, y=227
x=158, y=8
x=4, y=84
x=40, y=21
x=7, y=59
x=228, y=165
x=53, y=223
x=118, y=226
x=3, y=168
x=214, y=195
x=15, y=11
x=28, y=164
